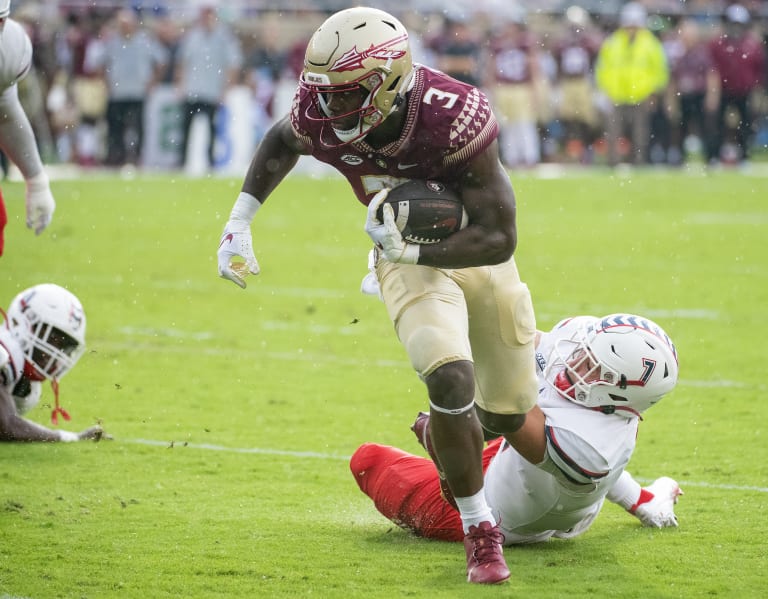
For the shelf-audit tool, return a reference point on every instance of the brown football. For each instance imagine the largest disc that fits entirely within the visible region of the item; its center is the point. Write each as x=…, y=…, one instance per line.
x=426, y=211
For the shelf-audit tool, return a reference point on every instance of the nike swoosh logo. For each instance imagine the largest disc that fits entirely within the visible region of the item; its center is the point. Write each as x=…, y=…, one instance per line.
x=402, y=167
x=228, y=237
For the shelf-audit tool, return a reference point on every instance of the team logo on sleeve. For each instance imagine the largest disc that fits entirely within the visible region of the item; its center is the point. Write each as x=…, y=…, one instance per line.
x=353, y=59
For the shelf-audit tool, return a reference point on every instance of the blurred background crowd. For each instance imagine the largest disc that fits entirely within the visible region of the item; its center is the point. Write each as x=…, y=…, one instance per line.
x=193, y=85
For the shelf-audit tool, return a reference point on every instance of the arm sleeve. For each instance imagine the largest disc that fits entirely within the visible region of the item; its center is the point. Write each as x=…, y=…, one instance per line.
x=573, y=462
x=17, y=139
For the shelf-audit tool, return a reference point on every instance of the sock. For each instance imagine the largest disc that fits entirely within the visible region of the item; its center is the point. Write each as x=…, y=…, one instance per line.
x=474, y=510
x=626, y=491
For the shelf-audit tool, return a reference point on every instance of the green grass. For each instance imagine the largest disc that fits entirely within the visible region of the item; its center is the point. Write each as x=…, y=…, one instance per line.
x=234, y=411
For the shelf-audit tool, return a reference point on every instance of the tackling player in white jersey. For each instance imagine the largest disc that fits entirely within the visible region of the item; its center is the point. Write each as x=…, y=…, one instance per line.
x=42, y=337
x=550, y=478
x=17, y=140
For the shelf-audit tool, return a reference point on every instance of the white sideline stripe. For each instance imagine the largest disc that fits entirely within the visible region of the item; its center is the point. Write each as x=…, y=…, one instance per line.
x=329, y=456
x=256, y=450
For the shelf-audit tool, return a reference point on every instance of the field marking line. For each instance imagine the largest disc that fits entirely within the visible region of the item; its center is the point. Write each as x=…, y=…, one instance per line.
x=329, y=456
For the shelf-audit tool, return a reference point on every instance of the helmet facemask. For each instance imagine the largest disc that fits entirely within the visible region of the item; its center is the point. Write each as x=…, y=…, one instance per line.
x=52, y=352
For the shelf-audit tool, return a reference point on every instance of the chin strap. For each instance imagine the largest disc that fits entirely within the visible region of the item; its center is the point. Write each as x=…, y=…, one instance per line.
x=57, y=409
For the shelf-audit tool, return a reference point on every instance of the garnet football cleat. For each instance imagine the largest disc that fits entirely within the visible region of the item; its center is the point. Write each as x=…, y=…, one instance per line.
x=420, y=428
x=485, y=560
x=659, y=512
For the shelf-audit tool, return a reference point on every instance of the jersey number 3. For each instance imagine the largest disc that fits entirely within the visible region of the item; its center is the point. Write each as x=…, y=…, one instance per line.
x=446, y=99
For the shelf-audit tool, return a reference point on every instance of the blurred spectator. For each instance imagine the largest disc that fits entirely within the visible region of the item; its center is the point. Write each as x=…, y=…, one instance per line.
x=512, y=81
x=78, y=131
x=575, y=52
x=631, y=71
x=130, y=60
x=209, y=60
x=740, y=59
x=168, y=32
x=694, y=90
x=456, y=49
x=34, y=87
x=264, y=66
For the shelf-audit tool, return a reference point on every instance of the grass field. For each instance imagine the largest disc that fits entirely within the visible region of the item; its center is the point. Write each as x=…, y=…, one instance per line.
x=234, y=411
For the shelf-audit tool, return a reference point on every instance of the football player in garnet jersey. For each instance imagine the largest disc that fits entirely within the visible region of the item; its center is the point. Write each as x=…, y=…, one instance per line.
x=42, y=337
x=17, y=141
x=458, y=306
x=550, y=477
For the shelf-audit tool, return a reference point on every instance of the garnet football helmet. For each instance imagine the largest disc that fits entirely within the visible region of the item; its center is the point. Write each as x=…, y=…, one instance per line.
x=49, y=323
x=620, y=363
x=358, y=50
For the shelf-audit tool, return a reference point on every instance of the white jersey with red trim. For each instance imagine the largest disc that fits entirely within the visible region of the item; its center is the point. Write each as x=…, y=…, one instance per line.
x=15, y=54
x=586, y=453
x=25, y=394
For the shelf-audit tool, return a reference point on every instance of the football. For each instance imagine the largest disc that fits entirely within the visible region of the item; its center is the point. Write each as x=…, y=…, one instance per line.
x=426, y=211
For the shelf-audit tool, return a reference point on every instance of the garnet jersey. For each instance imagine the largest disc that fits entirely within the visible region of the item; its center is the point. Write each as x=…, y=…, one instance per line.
x=511, y=59
x=15, y=54
x=447, y=124
x=575, y=55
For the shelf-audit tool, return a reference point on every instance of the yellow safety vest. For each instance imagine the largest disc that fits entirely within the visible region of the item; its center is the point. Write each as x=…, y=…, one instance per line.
x=628, y=71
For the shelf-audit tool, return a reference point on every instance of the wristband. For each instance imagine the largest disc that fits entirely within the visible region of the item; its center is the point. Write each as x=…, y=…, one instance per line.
x=39, y=182
x=68, y=436
x=410, y=254
x=245, y=207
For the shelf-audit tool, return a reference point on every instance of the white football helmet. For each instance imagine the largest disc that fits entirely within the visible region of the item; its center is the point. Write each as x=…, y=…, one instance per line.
x=357, y=50
x=49, y=323
x=621, y=363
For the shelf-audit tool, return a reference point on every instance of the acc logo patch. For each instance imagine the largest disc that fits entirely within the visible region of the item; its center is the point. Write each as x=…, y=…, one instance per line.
x=351, y=159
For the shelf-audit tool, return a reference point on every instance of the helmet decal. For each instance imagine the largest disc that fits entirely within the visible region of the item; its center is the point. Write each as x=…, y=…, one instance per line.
x=353, y=59
x=638, y=322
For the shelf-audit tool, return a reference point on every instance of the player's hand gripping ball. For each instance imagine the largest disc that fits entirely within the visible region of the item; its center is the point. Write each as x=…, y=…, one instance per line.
x=426, y=211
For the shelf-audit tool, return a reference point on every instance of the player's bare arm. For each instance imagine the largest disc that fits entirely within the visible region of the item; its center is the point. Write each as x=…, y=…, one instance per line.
x=491, y=235
x=530, y=440
x=275, y=156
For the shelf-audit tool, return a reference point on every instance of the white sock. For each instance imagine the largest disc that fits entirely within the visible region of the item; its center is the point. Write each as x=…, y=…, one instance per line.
x=625, y=491
x=474, y=510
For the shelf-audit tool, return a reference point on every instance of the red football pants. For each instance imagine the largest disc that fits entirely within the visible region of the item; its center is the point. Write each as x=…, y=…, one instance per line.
x=405, y=488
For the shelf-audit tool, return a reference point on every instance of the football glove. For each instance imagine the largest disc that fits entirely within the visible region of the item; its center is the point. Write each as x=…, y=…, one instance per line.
x=236, y=241
x=386, y=235
x=40, y=203
x=659, y=511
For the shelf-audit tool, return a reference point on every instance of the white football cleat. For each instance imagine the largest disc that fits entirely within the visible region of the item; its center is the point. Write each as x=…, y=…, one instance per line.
x=659, y=512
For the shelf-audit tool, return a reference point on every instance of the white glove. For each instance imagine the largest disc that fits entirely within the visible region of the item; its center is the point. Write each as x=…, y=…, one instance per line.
x=236, y=241
x=40, y=203
x=370, y=283
x=659, y=512
x=386, y=235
